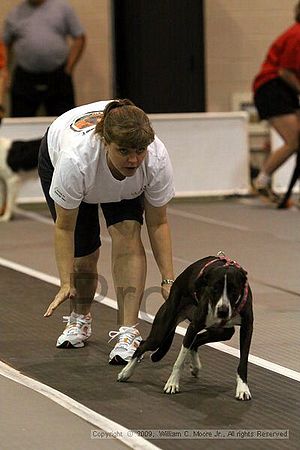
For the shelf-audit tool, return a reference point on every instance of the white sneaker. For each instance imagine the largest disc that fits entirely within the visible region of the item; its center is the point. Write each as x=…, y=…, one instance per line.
x=129, y=339
x=77, y=331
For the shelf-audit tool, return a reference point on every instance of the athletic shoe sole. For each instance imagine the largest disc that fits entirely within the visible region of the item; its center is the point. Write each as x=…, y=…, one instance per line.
x=117, y=361
x=70, y=344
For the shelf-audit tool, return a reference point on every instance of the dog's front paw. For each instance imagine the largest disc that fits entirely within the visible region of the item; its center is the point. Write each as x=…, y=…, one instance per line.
x=242, y=390
x=196, y=365
x=172, y=385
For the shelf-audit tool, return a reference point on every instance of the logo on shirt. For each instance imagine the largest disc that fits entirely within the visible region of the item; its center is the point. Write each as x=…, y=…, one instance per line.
x=59, y=194
x=86, y=122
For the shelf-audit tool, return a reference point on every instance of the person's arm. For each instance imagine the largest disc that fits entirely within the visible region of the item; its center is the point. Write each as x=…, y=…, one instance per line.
x=75, y=53
x=160, y=239
x=290, y=78
x=64, y=253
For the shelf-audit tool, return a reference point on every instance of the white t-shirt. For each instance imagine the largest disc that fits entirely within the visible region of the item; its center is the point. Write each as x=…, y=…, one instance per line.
x=81, y=172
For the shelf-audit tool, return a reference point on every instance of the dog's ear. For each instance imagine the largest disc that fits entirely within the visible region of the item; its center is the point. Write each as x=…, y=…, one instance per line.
x=238, y=277
x=243, y=273
x=201, y=283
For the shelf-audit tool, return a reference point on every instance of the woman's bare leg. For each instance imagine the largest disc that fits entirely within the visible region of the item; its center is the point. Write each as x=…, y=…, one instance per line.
x=128, y=269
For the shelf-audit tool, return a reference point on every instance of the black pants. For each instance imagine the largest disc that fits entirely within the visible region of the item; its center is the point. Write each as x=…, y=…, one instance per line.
x=53, y=90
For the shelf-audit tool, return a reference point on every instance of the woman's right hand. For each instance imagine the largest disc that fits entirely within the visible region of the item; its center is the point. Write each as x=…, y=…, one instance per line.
x=64, y=294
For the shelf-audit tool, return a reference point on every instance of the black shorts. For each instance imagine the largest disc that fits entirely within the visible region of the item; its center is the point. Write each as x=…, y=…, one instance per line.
x=87, y=230
x=275, y=98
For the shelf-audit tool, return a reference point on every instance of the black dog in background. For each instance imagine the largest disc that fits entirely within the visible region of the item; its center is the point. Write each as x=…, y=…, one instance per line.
x=17, y=158
x=214, y=295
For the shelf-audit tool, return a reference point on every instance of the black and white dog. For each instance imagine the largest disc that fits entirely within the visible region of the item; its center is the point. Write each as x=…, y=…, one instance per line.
x=214, y=295
x=17, y=160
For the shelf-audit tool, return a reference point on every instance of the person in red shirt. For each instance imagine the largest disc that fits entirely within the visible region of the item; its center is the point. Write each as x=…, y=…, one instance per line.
x=276, y=96
x=3, y=78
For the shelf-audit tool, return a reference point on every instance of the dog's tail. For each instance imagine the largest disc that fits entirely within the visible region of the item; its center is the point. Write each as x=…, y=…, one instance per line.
x=163, y=348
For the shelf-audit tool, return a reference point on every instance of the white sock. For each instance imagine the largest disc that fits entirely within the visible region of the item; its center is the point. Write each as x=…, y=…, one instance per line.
x=262, y=179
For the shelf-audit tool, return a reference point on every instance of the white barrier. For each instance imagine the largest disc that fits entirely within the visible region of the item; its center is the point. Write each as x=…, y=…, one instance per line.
x=209, y=151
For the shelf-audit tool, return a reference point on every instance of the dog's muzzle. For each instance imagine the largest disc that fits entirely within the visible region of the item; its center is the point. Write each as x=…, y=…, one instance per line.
x=223, y=312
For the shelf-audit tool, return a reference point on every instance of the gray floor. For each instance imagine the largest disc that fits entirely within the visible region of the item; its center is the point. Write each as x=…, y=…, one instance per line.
x=264, y=240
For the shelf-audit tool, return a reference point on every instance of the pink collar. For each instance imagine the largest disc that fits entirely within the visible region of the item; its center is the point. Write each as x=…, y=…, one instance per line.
x=228, y=262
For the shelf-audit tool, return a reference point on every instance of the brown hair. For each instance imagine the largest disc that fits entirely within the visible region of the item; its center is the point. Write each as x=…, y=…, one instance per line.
x=125, y=124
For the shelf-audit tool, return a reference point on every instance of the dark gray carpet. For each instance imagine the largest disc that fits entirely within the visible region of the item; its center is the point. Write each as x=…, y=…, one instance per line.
x=27, y=343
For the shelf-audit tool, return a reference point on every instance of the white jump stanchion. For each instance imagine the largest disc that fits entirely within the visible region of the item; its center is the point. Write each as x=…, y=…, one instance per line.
x=282, y=176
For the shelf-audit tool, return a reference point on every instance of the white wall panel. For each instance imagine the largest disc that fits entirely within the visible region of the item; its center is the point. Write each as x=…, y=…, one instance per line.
x=209, y=151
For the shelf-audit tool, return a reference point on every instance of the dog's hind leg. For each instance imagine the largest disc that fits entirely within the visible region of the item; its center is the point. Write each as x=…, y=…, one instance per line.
x=149, y=344
x=128, y=370
x=163, y=348
x=161, y=335
x=171, y=326
x=196, y=365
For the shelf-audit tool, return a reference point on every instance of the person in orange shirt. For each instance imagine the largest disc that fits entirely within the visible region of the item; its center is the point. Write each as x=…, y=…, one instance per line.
x=276, y=97
x=3, y=78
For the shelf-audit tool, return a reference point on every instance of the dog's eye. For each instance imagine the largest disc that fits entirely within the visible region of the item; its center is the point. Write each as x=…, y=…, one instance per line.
x=232, y=288
x=216, y=289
